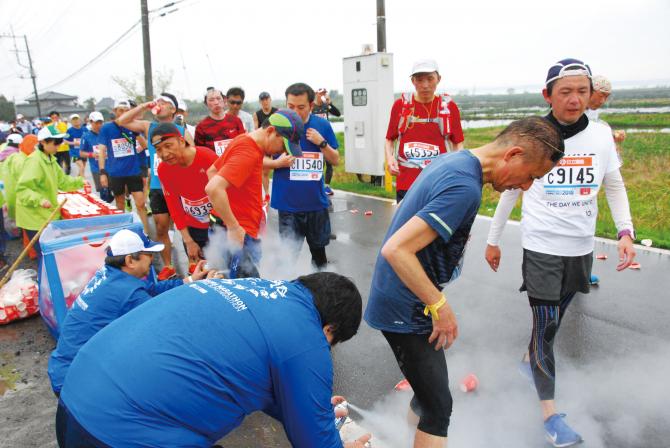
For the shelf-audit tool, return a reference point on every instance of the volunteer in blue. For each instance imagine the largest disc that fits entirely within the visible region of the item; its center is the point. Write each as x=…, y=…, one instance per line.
x=118, y=287
x=423, y=251
x=119, y=164
x=298, y=192
x=185, y=369
x=89, y=149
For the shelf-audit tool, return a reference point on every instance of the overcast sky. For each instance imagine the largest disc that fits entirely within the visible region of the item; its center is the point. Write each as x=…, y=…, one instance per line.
x=267, y=45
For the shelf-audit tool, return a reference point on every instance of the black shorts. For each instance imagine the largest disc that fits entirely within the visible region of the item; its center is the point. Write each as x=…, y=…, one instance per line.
x=144, y=171
x=313, y=226
x=426, y=371
x=77, y=159
x=118, y=184
x=200, y=236
x=157, y=202
x=550, y=277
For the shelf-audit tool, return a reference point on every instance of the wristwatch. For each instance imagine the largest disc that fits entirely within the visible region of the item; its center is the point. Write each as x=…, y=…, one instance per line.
x=323, y=144
x=625, y=232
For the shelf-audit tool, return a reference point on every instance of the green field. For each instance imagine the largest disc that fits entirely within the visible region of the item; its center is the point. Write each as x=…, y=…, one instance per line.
x=646, y=170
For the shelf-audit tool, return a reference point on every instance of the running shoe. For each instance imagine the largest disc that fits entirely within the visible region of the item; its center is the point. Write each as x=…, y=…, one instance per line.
x=594, y=280
x=558, y=433
x=329, y=191
x=167, y=273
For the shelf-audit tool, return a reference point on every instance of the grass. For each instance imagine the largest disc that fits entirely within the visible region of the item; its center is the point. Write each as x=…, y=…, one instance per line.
x=637, y=120
x=646, y=171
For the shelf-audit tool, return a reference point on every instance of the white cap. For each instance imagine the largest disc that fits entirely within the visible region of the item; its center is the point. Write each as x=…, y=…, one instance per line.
x=181, y=104
x=15, y=139
x=49, y=132
x=19, y=116
x=424, y=66
x=601, y=84
x=37, y=121
x=96, y=116
x=122, y=103
x=73, y=116
x=126, y=242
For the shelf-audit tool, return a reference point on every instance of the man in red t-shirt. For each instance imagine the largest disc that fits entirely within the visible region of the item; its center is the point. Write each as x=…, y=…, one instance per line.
x=235, y=186
x=183, y=175
x=217, y=129
x=425, y=125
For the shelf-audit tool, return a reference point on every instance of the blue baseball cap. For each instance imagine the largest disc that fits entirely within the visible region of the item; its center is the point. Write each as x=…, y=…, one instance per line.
x=567, y=67
x=289, y=125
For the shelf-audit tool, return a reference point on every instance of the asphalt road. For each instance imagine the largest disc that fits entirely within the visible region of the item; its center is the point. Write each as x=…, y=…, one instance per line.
x=612, y=350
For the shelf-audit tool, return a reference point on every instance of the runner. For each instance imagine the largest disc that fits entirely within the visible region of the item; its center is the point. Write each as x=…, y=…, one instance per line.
x=557, y=228
x=602, y=89
x=235, y=186
x=24, y=125
x=63, y=153
x=423, y=125
x=217, y=129
x=74, y=134
x=324, y=108
x=188, y=368
x=119, y=164
x=39, y=183
x=423, y=251
x=182, y=116
x=89, y=149
x=265, y=111
x=164, y=109
x=183, y=175
x=298, y=192
x=235, y=97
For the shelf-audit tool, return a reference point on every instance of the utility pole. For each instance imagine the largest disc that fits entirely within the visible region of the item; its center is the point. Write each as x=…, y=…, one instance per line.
x=146, y=45
x=381, y=27
x=30, y=65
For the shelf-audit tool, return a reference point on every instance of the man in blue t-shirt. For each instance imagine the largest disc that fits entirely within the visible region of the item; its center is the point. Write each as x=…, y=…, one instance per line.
x=119, y=164
x=163, y=109
x=422, y=252
x=118, y=287
x=74, y=136
x=185, y=369
x=298, y=192
x=89, y=149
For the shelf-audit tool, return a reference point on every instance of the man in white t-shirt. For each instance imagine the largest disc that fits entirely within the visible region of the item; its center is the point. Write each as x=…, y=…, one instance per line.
x=558, y=223
x=602, y=89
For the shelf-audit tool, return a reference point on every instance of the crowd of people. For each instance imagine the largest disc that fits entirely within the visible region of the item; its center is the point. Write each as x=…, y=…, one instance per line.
x=185, y=368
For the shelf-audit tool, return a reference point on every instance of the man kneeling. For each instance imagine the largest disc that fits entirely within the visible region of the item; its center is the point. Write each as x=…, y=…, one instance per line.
x=184, y=370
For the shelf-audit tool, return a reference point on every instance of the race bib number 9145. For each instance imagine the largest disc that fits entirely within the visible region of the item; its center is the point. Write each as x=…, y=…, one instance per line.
x=572, y=176
x=308, y=167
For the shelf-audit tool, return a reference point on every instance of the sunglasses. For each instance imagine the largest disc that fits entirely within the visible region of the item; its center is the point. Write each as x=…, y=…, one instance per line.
x=557, y=153
x=235, y=103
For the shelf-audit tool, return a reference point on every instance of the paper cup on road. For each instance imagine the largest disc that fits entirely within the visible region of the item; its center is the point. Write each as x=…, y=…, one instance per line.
x=403, y=385
x=635, y=266
x=469, y=383
x=646, y=242
x=601, y=257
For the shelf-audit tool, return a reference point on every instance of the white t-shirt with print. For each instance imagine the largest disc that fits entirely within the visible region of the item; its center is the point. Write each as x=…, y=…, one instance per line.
x=559, y=211
x=247, y=120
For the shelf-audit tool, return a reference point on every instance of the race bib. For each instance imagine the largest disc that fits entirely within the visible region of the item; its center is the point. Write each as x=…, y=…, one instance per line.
x=420, y=154
x=220, y=146
x=157, y=161
x=198, y=208
x=122, y=148
x=308, y=167
x=96, y=149
x=574, y=177
x=77, y=142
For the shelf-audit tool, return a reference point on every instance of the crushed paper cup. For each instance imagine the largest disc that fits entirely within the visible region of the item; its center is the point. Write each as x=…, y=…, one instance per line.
x=353, y=211
x=469, y=383
x=646, y=242
x=403, y=386
x=601, y=257
x=635, y=266
x=368, y=213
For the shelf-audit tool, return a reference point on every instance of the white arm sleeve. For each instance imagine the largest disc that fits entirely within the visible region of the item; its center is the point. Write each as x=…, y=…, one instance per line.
x=501, y=215
x=617, y=199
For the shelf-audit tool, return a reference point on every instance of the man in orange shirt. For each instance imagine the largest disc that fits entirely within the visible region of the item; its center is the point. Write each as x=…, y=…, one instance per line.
x=235, y=186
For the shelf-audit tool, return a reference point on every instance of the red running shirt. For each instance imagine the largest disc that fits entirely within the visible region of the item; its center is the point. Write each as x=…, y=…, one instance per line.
x=213, y=133
x=184, y=189
x=242, y=166
x=421, y=141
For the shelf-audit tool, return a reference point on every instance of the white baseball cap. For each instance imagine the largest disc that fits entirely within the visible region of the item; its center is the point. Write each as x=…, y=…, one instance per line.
x=181, y=104
x=122, y=103
x=19, y=116
x=49, y=132
x=424, y=66
x=126, y=242
x=15, y=139
x=73, y=116
x=601, y=84
x=96, y=116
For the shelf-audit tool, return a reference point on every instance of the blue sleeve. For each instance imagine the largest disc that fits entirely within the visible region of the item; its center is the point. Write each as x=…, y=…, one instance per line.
x=165, y=285
x=448, y=208
x=85, y=145
x=303, y=386
x=329, y=135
